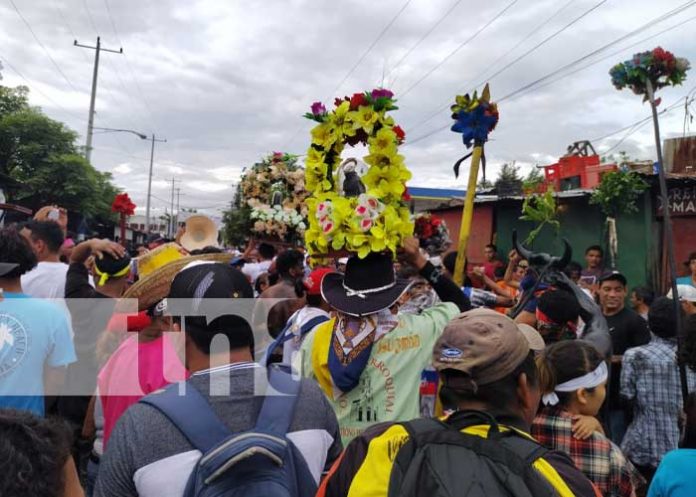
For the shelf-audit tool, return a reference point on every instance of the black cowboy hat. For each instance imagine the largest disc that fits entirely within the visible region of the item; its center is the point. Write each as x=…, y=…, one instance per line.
x=368, y=286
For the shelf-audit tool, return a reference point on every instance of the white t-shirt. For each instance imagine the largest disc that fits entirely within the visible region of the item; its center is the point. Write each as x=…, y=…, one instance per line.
x=252, y=270
x=46, y=280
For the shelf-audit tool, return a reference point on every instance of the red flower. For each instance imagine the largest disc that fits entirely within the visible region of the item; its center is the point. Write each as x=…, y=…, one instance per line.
x=338, y=101
x=400, y=134
x=123, y=205
x=406, y=197
x=357, y=100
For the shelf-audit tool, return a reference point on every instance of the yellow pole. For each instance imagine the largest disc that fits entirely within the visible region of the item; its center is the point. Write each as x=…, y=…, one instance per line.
x=467, y=216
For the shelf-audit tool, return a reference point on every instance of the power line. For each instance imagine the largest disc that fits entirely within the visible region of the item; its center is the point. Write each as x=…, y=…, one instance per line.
x=645, y=26
x=355, y=66
x=422, y=38
x=535, y=30
x=535, y=84
x=43, y=47
x=91, y=19
x=372, y=45
x=128, y=65
x=39, y=91
x=616, y=52
x=457, y=49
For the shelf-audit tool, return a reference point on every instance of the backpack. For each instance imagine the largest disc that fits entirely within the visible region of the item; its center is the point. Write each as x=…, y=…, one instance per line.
x=439, y=460
x=258, y=462
x=286, y=335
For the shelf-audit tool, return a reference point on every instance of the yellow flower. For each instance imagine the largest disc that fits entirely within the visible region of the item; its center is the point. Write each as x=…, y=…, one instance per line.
x=365, y=117
x=384, y=142
x=324, y=135
x=341, y=119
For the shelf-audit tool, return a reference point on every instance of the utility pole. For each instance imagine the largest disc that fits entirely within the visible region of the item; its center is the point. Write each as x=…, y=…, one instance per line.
x=171, y=228
x=176, y=218
x=149, y=181
x=93, y=98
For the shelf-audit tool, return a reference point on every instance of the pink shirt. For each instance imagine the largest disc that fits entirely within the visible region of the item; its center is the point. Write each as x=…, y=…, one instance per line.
x=133, y=371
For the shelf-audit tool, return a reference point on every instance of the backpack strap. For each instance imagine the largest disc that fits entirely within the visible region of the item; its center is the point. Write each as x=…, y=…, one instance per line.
x=191, y=413
x=284, y=335
x=278, y=406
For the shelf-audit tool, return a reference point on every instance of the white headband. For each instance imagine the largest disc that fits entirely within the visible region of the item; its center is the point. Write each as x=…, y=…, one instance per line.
x=590, y=380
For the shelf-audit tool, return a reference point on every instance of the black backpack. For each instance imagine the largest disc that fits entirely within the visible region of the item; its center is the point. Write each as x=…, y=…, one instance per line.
x=440, y=461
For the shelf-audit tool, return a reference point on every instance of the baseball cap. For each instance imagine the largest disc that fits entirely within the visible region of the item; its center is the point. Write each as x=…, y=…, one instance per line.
x=313, y=282
x=614, y=276
x=484, y=344
x=204, y=279
x=686, y=293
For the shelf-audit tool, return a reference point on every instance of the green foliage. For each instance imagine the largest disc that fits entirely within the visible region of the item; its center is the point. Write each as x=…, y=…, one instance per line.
x=236, y=220
x=508, y=173
x=484, y=184
x=533, y=179
x=618, y=192
x=41, y=154
x=540, y=209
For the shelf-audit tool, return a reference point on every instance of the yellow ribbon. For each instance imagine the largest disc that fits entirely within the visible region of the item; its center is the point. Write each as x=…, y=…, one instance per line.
x=103, y=277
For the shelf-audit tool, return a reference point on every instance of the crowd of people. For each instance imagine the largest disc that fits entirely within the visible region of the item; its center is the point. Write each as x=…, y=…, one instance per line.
x=263, y=371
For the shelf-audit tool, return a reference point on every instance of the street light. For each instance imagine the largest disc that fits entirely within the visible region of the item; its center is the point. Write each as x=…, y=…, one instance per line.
x=152, y=159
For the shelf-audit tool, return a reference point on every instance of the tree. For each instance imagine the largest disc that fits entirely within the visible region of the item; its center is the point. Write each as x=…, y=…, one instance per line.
x=41, y=154
x=484, y=184
x=236, y=220
x=533, y=179
x=509, y=181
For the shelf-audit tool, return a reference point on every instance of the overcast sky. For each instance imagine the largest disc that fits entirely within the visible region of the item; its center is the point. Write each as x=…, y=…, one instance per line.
x=226, y=82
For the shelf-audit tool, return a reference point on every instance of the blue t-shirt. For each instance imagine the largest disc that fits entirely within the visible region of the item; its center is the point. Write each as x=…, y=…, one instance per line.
x=675, y=476
x=685, y=280
x=34, y=334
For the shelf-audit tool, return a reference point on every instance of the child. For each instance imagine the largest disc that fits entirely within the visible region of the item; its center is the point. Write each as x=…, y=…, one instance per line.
x=573, y=377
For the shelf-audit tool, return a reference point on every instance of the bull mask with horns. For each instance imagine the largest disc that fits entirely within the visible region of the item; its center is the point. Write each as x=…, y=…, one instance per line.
x=549, y=270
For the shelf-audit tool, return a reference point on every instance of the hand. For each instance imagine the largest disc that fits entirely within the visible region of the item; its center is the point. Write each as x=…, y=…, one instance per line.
x=44, y=214
x=101, y=247
x=585, y=426
x=514, y=256
x=412, y=253
x=478, y=271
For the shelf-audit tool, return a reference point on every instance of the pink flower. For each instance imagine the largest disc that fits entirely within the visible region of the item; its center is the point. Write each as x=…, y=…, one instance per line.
x=361, y=210
x=366, y=224
x=381, y=92
x=372, y=203
x=318, y=109
x=327, y=227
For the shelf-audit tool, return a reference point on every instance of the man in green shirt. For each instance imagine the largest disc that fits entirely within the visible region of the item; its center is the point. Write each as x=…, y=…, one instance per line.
x=368, y=359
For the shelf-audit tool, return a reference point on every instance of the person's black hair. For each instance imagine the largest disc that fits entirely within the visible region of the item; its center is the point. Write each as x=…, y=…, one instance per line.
x=572, y=267
x=236, y=329
x=559, y=305
x=287, y=260
x=111, y=265
x=266, y=251
x=644, y=294
x=450, y=261
x=687, y=351
x=458, y=388
x=492, y=246
x=499, y=272
x=259, y=281
x=314, y=300
x=689, y=441
x=564, y=361
x=210, y=249
x=273, y=278
x=48, y=232
x=595, y=247
x=34, y=451
x=15, y=249
x=407, y=272
x=662, y=319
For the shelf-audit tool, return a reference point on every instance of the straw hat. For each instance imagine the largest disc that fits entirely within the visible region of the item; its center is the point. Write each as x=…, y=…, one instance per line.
x=156, y=258
x=200, y=232
x=154, y=287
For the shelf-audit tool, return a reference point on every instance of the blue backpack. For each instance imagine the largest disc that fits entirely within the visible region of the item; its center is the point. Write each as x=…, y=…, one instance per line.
x=260, y=462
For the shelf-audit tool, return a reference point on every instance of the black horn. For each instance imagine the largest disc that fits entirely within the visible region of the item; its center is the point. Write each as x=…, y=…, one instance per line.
x=561, y=262
x=526, y=254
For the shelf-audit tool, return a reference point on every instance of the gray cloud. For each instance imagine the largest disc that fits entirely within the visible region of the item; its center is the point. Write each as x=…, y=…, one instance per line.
x=227, y=82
